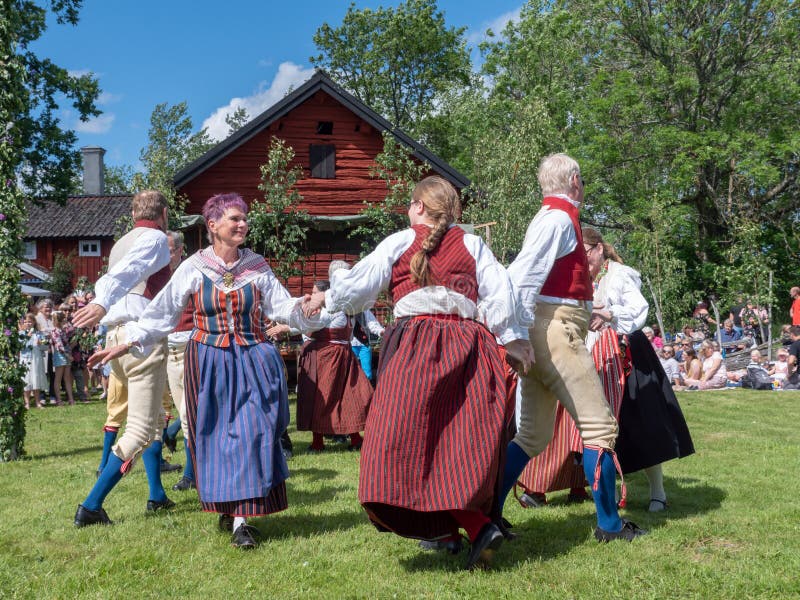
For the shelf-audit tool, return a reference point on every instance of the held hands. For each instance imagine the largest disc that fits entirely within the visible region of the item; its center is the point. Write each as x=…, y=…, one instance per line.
x=313, y=303
x=519, y=355
x=600, y=317
x=88, y=316
x=103, y=356
x=277, y=330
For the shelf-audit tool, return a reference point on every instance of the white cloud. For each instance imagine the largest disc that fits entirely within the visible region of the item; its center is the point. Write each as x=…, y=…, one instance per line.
x=108, y=98
x=101, y=124
x=496, y=25
x=289, y=76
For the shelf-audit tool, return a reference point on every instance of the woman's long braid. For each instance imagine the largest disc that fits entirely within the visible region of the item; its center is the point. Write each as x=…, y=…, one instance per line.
x=420, y=265
x=442, y=206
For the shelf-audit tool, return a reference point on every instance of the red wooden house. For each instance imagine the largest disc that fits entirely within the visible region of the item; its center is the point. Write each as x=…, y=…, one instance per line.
x=336, y=138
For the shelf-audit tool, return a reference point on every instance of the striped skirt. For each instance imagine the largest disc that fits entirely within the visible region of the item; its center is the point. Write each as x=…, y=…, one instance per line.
x=333, y=393
x=237, y=408
x=436, y=431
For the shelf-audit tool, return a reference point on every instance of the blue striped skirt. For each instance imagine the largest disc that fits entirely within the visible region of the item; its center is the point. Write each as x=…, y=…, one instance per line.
x=237, y=407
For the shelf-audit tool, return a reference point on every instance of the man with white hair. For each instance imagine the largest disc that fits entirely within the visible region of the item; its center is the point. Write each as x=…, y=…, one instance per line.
x=551, y=274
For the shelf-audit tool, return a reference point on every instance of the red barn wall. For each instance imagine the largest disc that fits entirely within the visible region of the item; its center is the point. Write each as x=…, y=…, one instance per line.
x=356, y=142
x=88, y=266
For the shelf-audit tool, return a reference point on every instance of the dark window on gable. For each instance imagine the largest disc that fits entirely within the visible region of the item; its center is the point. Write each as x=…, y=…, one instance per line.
x=325, y=128
x=323, y=161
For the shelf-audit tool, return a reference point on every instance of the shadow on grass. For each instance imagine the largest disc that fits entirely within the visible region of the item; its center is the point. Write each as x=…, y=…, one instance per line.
x=71, y=452
x=288, y=525
x=547, y=539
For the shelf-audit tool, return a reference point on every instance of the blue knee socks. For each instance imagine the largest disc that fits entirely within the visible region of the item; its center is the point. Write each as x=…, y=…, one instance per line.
x=516, y=459
x=188, y=469
x=151, y=458
x=605, y=499
x=109, y=477
x=173, y=428
x=109, y=437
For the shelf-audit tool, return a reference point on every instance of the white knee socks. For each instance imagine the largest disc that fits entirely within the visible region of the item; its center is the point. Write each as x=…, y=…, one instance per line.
x=658, y=497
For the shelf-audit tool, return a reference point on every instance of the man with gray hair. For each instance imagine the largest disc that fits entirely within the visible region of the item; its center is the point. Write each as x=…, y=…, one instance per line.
x=138, y=267
x=551, y=274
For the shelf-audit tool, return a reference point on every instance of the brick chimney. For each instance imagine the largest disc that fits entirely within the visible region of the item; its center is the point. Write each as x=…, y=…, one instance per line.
x=93, y=170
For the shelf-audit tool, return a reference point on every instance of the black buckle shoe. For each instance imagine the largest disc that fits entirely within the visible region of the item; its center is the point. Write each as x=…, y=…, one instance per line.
x=184, y=483
x=503, y=525
x=450, y=546
x=167, y=467
x=226, y=523
x=245, y=537
x=480, y=554
x=84, y=517
x=157, y=505
x=628, y=532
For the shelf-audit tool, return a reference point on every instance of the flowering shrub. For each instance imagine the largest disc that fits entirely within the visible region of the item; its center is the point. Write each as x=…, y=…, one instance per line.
x=12, y=225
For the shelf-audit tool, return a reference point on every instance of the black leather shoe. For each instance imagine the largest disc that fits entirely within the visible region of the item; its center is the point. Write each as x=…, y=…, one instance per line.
x=171, y=443
x=167, y=467
x=489, y=539
x=226, y=523
x=184, y=483
x=628, y=532
x=157, y=505
x=84, y=517
x=504, y=527
x=245, y=537
x=450, y=546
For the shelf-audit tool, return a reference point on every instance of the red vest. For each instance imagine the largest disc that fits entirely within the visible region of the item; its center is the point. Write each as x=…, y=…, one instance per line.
x=187, y=317
x=451, y=264
x=569, y=277
x=156, y=281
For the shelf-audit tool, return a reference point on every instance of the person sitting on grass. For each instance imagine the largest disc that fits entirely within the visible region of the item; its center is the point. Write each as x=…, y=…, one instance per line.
x=714, y=373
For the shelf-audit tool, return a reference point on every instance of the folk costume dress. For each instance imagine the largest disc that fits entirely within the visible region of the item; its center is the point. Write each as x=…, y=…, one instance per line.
x=236, y=392
x=436, y=429
x=33, y=358
x=333, y=392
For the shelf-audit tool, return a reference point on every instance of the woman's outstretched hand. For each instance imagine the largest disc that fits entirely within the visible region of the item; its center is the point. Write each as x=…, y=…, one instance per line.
x=313, y=303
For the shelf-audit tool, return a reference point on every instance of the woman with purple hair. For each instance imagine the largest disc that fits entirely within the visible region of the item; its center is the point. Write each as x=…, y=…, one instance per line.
x=236, y=393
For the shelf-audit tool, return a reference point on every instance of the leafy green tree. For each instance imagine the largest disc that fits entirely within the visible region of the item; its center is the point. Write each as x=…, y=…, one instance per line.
x=37, y=158
x=395, y=60
x=278, y=229
x=118, y=179
x=236, y=120
x=693, y=103
x=62, y=274
x=400, y=171
x=172, y=144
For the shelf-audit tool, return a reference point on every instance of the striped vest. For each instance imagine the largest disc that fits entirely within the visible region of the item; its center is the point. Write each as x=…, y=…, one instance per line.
x=450, y=263
x=220, y=316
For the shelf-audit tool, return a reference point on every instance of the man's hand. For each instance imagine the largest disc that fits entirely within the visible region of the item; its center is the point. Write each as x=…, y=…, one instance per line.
x=88, y=316
x=519, y=354
x=103, y=356
x=313, y=303
x=277, y=330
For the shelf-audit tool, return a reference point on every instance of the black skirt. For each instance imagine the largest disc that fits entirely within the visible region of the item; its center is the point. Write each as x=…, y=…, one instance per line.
x=652, y=429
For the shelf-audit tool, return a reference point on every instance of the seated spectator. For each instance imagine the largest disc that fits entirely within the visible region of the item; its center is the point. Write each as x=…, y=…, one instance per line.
x=728, y=333
x=678, y=347
x=650, y=335
x=792, y=382
x=714, y=373
x=658, y=339
x=692, y=367
x=780, y=369
x=756, y=363
x=786, y=338
x=671, y=366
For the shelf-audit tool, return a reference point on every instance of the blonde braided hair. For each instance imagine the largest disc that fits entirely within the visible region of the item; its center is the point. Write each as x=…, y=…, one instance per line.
x=443, y=206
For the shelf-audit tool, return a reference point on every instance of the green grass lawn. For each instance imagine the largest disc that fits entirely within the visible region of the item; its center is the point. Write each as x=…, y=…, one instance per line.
x=732, y=530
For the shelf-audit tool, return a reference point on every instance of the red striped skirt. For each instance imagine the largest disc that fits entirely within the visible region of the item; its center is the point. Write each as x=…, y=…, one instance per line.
x=333, y=393
x=436, y=432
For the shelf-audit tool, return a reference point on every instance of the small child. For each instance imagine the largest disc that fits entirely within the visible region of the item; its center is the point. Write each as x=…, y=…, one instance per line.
x=32, y=357
x=59, y=340
x=780, y=370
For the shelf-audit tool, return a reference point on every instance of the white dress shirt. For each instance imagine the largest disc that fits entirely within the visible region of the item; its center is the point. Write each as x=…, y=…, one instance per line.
x=619, y=292
x=147, y=256
x=355, y=291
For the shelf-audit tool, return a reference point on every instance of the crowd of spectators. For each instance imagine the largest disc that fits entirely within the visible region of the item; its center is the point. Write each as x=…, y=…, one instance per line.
x=54, y=353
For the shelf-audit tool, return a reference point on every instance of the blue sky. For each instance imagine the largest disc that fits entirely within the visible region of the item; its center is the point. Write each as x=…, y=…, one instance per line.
x=214, y=55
